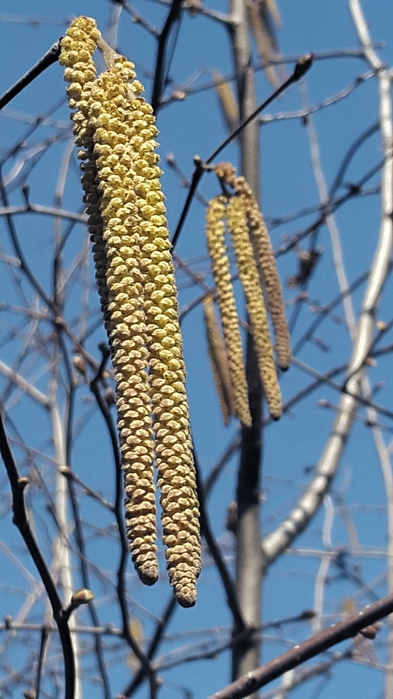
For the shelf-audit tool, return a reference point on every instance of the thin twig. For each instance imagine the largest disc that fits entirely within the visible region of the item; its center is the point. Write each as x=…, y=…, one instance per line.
x=21, y=521
x=40, y=665
x=215, y=552
x=302, y=66
x=173, y=18
x=47, y=60
x=348, y=628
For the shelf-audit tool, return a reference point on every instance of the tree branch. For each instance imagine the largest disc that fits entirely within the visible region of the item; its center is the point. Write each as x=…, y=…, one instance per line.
x=21, y=521
x=298, y=519
x=313, y=646
x=47, y=60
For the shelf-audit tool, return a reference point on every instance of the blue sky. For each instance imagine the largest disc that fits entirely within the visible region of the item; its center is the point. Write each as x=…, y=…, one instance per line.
x=190, y=127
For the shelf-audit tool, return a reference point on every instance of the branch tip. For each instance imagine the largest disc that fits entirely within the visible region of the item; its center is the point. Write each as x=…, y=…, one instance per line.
x=23, y=482
x=303, y=66
x=83, y=596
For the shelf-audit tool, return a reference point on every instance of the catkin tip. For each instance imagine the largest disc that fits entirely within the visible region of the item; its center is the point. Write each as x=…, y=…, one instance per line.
x=275, y=415
x=217, y=247
x=148, y=576
x=186, y=599
x=136, y=282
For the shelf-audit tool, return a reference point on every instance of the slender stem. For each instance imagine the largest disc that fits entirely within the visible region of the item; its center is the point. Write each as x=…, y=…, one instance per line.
x=245, y=654
x=308, y=649
x=215, y=552
x=21, y=521
x=47, y=60
x=301, y=68
x=173, y=17
x=41, y=657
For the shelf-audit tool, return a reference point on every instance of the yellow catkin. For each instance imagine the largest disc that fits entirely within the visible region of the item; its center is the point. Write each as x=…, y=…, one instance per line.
x=271, y=280
x=135, y=276
x=77, y=49
x=173, y=448
x=76, y=55
x=249, y=278
x=126, y=315
x=218, y=361
x=98, y=128
x=215, y=236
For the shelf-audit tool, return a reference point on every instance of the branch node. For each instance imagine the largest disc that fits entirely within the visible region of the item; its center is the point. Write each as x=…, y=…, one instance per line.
x=303, y=66
x=22, y=482
x=8, y=622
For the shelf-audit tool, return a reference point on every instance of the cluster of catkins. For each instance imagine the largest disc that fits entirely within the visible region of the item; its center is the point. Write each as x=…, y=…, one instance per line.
x=114, y=126
x=240, y=214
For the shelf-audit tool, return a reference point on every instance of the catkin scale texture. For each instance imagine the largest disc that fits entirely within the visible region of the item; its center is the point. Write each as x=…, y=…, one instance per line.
x=135, y=277
x=215, y=236
x=126, y=316
x=249, y=277
x=173, y=448
x=107, y=182
x=77, y=49
x=218, y=361
x=267, y=263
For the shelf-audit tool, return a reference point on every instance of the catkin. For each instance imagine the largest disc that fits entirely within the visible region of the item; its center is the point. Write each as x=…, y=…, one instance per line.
x=173, y=448
x=271, y=281
x=218, y=361
x=135, y=278
x=107, y=181
x=215, y=235
x=248, y=274
x=127, y=324
x=77, y=49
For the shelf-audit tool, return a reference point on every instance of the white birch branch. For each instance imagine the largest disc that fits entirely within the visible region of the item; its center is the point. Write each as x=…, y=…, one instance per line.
x=25, y=385
x=277, y=541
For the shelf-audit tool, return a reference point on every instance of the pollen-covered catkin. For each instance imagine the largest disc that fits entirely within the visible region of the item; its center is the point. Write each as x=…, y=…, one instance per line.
x=249, y=278
x=126, y=315
x=215, y=236
x=271, y=280
x=135, y=278
x=173, y=448
x=77, y=49
x=218, y=361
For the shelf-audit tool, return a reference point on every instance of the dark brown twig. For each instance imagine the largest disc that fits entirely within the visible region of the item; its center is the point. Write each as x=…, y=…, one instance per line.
x=216, y=555
x=20, y=520
x=313, y=646
x=40, y=666
x=47, y=60
x=301, y=68
x=159, y=77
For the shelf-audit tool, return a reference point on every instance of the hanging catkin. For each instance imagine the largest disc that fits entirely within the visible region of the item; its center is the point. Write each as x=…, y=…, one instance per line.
x=135, y=277
x=267, y=263
x=127, y=318
x=248, y=273
x=173, y=448
x=218, y=360
x=215, y=235
x=77, y=49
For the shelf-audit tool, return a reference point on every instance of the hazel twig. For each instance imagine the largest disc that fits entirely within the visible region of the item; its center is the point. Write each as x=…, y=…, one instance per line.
x=47, y=60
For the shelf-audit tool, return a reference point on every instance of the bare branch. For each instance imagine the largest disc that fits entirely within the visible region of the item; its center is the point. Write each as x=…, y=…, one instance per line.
x=21, y=521
x=47, y=60
x=295, y=523
x=308, y=649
